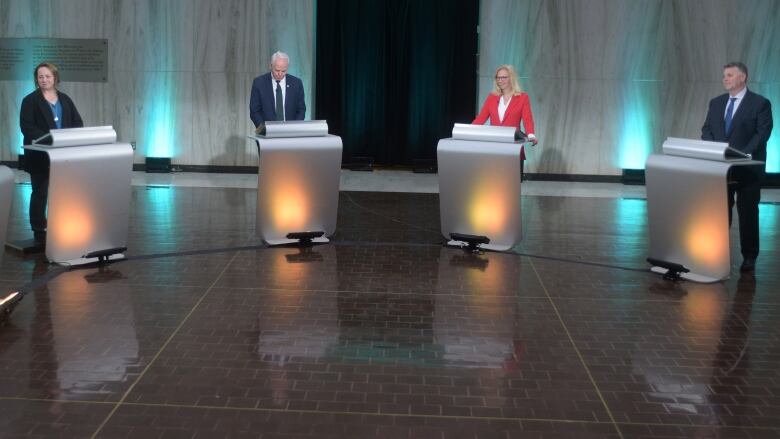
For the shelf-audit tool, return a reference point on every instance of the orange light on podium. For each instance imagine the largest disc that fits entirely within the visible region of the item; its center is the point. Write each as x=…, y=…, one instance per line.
x=704, y=241
x=487, y=212
x=298, y=182
x=479, y=186
x=289, y=207
x=72, y=227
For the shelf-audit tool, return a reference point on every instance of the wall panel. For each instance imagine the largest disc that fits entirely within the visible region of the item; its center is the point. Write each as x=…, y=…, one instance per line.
x=180, y=71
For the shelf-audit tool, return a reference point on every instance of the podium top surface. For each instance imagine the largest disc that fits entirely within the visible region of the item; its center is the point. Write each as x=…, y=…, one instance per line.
x=295, y=128
x=483, y=133
x=703, y=149
x=692, y=163
x=76, y=137
x=51, y=149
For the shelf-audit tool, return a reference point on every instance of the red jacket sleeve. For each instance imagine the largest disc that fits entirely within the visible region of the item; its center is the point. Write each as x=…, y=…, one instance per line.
x=526, y=116
x=483, y=115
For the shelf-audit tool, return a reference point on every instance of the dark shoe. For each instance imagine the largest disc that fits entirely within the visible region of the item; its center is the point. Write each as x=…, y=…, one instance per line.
x=748, y=264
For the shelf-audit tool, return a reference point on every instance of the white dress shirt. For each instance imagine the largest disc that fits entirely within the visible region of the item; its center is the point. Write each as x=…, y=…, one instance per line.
x=502, y=106
x=502, y=111
x=739, y=97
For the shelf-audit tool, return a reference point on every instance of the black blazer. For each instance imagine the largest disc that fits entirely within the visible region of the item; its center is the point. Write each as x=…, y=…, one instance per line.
x=751, y=124
x=36, y=119
x=262, y=101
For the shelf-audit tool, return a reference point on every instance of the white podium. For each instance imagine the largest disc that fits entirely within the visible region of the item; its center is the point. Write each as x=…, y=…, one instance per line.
x=298, y=182
x=479, y=185
x=7, y=300
x=89, y=195
x=687, y=207
x=6, y=197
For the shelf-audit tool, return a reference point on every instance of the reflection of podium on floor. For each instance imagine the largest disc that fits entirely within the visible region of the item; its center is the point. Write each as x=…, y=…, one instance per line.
x=687, y=208
x=298, y=182
x=89, y=195
x=479, y=185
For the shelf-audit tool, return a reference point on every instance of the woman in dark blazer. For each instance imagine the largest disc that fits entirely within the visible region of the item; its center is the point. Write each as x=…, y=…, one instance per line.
x=508, y=106
x=42, y=110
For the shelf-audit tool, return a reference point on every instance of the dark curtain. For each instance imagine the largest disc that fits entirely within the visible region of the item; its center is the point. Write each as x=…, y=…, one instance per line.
x=394, y=75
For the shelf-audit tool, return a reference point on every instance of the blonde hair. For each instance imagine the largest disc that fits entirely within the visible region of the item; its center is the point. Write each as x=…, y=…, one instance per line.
x=513, y=81
x=54, y=71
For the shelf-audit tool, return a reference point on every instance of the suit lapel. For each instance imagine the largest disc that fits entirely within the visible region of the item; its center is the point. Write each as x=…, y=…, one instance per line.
x=43, y=105
x=719, y=113
x=271, y=97
x=743, y=108
x=288, y=88
x=66, y=116
x=512, y=103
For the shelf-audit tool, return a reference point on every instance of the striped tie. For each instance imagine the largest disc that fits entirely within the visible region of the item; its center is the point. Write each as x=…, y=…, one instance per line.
x=729, y=114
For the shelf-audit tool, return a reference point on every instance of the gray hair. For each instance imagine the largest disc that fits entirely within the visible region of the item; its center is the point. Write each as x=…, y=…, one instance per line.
x=279, y=55
x=740, y=66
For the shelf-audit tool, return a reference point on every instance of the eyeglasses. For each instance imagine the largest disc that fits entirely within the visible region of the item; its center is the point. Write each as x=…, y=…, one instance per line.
x=501, y=77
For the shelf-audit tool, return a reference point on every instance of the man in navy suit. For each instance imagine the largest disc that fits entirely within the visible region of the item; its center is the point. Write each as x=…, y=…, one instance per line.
x=743, y=119
x=276, y=95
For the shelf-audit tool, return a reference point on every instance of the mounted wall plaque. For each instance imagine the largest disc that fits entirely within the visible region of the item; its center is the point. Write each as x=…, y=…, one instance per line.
x=78, y=60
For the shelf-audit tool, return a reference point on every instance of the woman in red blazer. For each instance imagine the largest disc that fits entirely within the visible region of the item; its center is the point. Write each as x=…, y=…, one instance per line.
x=508, y=106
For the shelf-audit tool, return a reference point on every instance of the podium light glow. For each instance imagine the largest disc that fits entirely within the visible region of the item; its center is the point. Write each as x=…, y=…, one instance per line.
x=487, y=212
x=74, y=226
x=290, y=207
x=701, y=241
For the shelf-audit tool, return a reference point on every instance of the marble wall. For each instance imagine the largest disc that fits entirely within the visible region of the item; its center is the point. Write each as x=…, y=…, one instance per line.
x=609, y=80
x=180, y=71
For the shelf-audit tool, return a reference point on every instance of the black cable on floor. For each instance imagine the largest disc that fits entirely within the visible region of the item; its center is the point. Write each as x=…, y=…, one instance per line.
x=574, y=261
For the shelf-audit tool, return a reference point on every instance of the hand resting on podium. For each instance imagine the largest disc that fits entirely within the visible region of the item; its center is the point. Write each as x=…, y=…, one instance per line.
x=521, y=137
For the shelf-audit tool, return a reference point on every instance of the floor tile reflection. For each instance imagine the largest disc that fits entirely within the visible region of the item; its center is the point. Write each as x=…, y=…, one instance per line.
x=345, y=351
x=704, y=357
x=81, y=339
x=42, y=419
x=206, y=332
x=156, y=421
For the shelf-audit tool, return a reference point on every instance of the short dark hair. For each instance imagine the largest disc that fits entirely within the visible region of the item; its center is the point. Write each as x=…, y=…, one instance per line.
x=54, y=71
x=740, y=66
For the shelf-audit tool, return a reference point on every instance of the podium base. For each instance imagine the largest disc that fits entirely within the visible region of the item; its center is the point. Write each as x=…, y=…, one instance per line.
x=275, y=242
x=491, y=247
x=693, y=277
x=85, y=261
x=26, y=246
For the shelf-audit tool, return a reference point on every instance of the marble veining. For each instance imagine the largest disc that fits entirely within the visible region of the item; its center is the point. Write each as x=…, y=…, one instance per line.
x=588, y=65
x=184, y=64
x=601, y=71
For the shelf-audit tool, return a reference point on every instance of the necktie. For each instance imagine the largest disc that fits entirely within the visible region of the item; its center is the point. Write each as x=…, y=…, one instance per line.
x=279, y=102
x=729, y=114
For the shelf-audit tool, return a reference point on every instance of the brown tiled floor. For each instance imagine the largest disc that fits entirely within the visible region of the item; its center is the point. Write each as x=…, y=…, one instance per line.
x=206, y=333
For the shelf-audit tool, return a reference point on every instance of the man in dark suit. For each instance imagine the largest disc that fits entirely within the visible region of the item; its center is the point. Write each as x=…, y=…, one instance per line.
x=276, y=95
x=743, y=119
